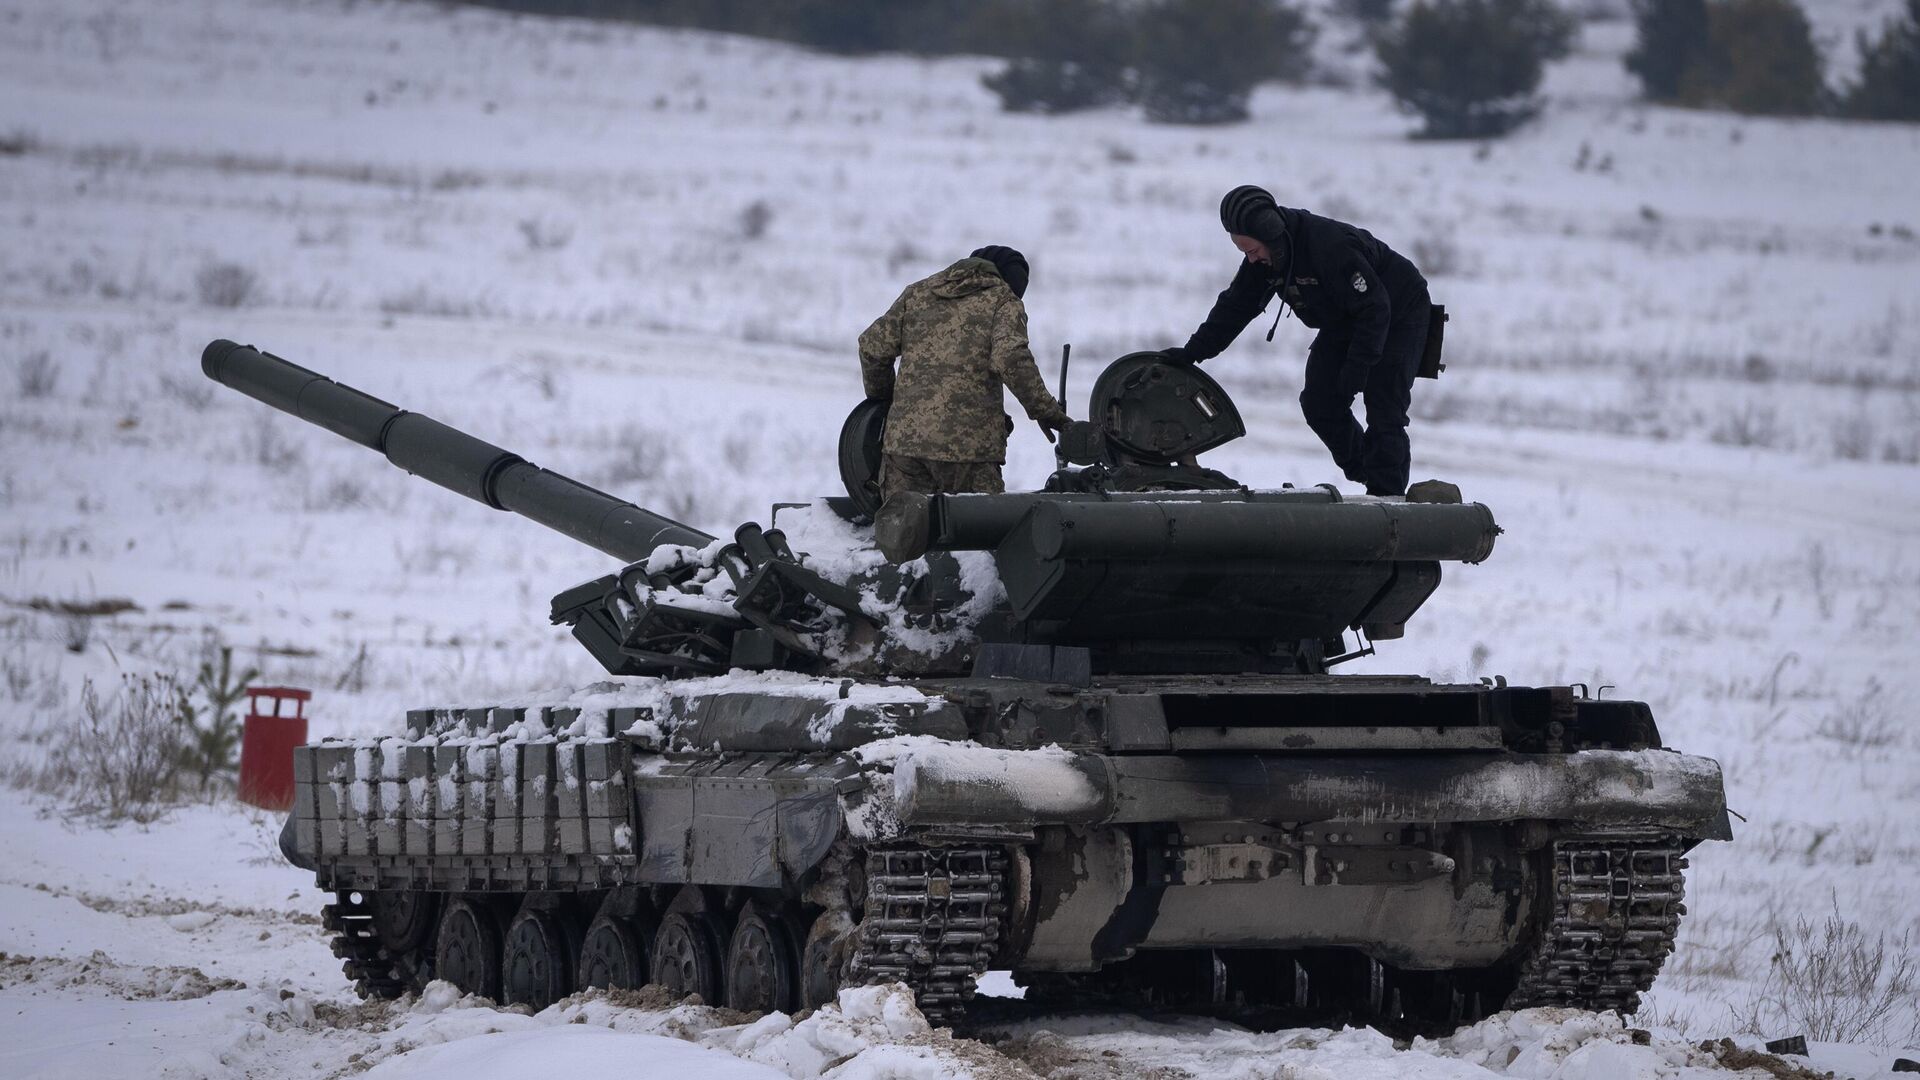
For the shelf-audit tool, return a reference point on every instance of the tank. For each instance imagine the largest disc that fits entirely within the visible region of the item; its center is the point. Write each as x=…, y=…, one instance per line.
x=1089, y=734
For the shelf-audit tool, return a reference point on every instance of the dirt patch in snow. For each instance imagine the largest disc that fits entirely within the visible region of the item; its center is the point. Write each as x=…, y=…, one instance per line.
x=101, y=974
x=137, y=907
x=1740, y=1058
x=1048, y=1055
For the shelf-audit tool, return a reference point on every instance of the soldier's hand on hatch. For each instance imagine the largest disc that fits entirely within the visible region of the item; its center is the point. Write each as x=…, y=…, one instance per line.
x=1178, y=354
x=1052, y=427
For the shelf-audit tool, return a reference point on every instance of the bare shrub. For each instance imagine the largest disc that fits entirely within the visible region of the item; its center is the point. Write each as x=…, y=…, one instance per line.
x=1436, y=254
x=1820, y=577
x=335, y=234
x=266, y=447
x=1439, y=406
x=1853, y=438
x=684, y=504
x=1861, y=724
x=25, y=681
x=544, y=380
x=36, y=376
x=431, y=553
x=640, y=456
x=1340, y=207
x=225, y=284
x=353, y=678
x=76, y=631
x=1836, y=983
x=195, y=394
x=456, y=180
x=904, y=253
x=420, y=300
x=755, y=219
x=1749, y=425
x=543, y=235
x=120, y=758
x=739, y=450
x=336, y=493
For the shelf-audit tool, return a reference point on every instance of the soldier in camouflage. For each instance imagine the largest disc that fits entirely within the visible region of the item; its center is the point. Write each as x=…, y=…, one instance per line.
x=959, y=336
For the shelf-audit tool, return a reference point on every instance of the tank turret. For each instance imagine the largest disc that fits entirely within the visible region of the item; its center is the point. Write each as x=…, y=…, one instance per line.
x=1221, y=578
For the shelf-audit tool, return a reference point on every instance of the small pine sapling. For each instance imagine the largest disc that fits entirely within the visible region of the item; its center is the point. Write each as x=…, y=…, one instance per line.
x=214, y=741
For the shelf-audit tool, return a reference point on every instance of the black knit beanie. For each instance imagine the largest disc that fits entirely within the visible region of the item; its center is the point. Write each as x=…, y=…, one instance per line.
x=1250, y=211
x=1011, y=264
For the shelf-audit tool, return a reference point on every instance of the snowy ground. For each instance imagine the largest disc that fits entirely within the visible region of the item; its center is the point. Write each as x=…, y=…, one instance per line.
x=1685, y=372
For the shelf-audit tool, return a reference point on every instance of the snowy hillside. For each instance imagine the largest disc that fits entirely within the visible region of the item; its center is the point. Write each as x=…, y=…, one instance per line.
x=1684, y=373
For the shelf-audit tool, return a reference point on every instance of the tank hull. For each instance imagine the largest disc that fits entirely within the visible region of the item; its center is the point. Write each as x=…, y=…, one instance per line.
x=1412, y=850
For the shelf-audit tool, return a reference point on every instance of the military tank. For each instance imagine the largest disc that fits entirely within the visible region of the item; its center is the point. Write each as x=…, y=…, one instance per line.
x=1088, y=734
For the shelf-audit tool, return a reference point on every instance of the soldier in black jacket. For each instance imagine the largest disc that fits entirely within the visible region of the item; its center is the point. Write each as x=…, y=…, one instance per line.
x=1370, y=305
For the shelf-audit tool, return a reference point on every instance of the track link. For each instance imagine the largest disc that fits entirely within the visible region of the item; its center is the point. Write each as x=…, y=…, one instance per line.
x=366, y=962
x=1614, y=908
x=932, y=921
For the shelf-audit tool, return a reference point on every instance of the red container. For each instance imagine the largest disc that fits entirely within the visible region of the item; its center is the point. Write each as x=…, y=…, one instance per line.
x=276, y=723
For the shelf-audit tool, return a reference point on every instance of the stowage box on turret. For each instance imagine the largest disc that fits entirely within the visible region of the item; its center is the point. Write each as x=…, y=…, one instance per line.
x=1087, y=734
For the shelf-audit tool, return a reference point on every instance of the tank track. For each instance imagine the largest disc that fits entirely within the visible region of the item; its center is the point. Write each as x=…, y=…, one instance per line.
x=367, y=963
x=1615, y=906
x=932, y=921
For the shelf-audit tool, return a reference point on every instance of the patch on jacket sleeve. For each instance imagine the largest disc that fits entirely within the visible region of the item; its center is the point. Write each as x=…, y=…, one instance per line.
x=1359, y=282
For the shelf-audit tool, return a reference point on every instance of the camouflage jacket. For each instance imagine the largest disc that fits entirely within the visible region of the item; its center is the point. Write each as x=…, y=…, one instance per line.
x=959, y=335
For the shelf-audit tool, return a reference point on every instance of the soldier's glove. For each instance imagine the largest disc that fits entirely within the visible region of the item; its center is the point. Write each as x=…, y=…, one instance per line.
x=1052, y=426
x=1353, y=378
x=1178, y=354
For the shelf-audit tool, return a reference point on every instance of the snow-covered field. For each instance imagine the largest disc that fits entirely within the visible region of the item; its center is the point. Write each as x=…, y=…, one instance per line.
x=1685, y=373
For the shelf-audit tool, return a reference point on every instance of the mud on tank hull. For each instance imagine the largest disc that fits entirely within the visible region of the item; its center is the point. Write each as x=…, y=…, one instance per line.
x=1083, y=839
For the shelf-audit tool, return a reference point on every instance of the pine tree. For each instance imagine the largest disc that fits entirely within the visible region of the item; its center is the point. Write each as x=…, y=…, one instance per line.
x=1071, y=55
x=1468, y=67
x=211, y=746
x=1199, y=60
x=1670, y=38
x=1889, y=83
x=1761, y=60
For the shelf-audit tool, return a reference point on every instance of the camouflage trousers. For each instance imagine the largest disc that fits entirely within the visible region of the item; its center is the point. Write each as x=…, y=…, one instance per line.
x=904, y=472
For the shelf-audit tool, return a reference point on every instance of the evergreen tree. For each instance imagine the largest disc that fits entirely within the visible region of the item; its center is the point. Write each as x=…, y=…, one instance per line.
x=1200, y=59
x=1468, y=67
x=1761, y=60
x=1889, y=83
x=1670, y=39
x=1067, y=55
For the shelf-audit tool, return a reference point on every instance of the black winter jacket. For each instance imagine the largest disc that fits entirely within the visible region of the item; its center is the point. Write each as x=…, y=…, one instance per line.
x=1336, y=277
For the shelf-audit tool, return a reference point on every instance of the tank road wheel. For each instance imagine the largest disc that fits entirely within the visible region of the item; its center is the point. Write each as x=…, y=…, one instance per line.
x=404, y=921
x=686, y=959
x=823, y=960
x=467, y=951
x=534, y=970
x=614, y=954
x=763, y=972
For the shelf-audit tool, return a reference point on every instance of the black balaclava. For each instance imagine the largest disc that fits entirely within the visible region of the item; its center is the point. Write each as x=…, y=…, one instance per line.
x=1011, y=264
x=1250, y=211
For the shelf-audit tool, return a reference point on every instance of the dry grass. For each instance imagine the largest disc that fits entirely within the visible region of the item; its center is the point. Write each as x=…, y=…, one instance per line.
x=119, y=758
x=1835, y=982
x=225, y=284
x=35, y=376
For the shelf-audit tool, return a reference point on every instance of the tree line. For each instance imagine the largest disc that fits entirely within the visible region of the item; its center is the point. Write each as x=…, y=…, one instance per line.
x=1468, y=68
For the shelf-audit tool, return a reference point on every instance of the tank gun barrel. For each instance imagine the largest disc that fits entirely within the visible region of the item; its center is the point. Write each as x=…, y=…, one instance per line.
x=447, y=456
